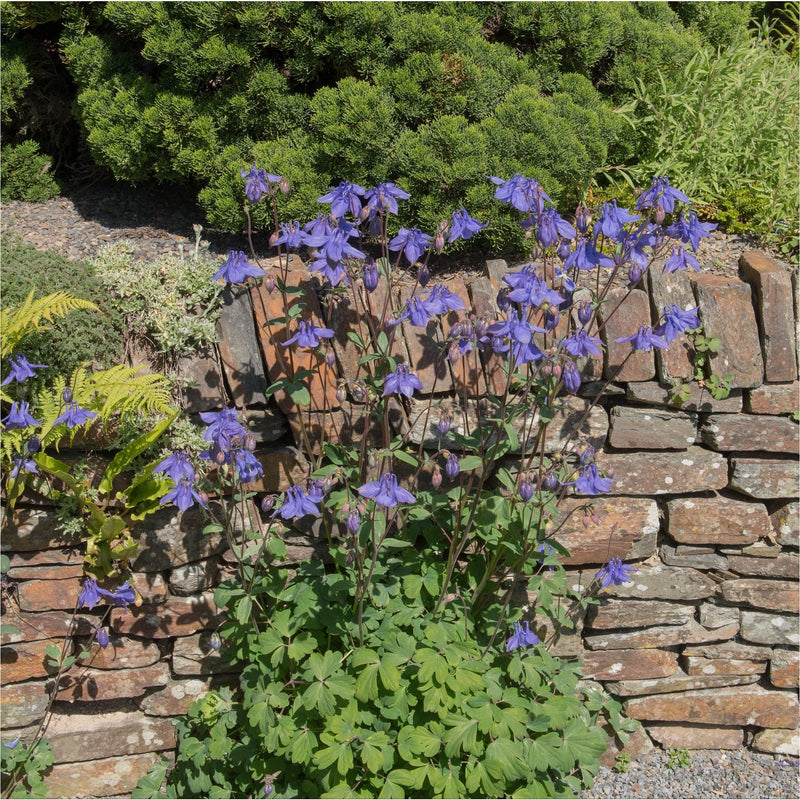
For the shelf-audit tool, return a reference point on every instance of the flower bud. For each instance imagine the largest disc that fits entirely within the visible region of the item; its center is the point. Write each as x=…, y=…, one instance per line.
x=365, y=212
x=353, y=521
x=101, y=635
x=481, y=326
x=423, y=275
x=203, y=498
x=455, y=331
x=557, y=371
x=66, y=395
x=610, y=472
x=445, y=421
x=452, y=467
x=550, y=319
x=436, y=478
x=215, y=641
x=582, y=219
x=267, y=504
x=584, y=312
x=453, y=353
x=249, y=442
x=526, y=489
x=595, y=518
x=330, y=357
x=274, y=238
x=269, y=283
x=660, y=214
x=550, y=482
x=467, y=330
x=371, y=276
x=341, y=392
x=438, y=242
x=563, y=250
x=503, y=303
x=634, y=275
x=219, y=457
x=284, y=185
x=359, y=392
x=34, y=444
x=586, y=520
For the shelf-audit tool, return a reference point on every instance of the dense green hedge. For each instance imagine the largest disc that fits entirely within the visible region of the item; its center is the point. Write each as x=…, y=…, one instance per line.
x=433, y=96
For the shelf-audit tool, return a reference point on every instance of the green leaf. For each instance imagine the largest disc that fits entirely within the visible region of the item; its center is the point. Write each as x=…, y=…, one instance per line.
x=470, y=462
x=319, y=696
x=461, y=736
x=244, y=609
x=509, y=754
x=53, y=652
x=406, y=458
x=373, y=749
x=303, y=747
x=300, y=395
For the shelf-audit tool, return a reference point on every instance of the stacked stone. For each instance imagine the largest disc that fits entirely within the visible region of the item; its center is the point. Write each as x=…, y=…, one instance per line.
x=702, y=645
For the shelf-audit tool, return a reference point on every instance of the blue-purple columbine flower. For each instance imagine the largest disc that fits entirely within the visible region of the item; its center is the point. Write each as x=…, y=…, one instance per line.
x=19, y=417
x=530, y=290
x=590, y=481
x=585, y=312
x=412, y=241
x=23, y=464
x=370, y=275
x=321, y=225
x=644, y=339
x=570, y=377
x=526, y=489
x=183, y=495
x=176, y=466
x=353, y=521
x=237, y=268
x=440, y=300
x=463, y=226
x=452, y=466
x=258, y=181
x=612, y=221
x=417, y=311
x=223, y=430
x=386, y=491
x=293, y=235
x=21, y=369
x=343, y=198
x=101, y=636
x=524, y=194
x=516, y=328
x=74, y=415
x=689, y=229
x=336, y=247
x=586, y=257
x=309, y=335
x=615, y=572
x=679, y=259
x=661, y=194
x=580, y=344
x=384, y=197
x=296, y=504
x=550, y=226
x=677, y=321
x=401, y=381
x=248, y=466
x=522, y=637
x=91, y=593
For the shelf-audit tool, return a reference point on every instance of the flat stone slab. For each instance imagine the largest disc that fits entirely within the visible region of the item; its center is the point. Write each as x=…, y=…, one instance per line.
x=763, y=628
x=750, y=705
x=726, y=432
x=679, y=681
x=628, y=664
x=697, y=737
x=777, y=741
x=23, y=703
x=614, y=613
x=765, y=478
x=180, y=616
x=763, y=594
x=632, y=311
x=659, y=582
x=700, y=399
x=772, y=398
x=671, y=288
x=784, y=566
x=716, y=520
x=652, y=429
x=671, y=557
x=660, y=636
x=666, y=472
x=784, y=668
x=721, y=300
x=91, y=685
x=696, y=665
x=28, y=530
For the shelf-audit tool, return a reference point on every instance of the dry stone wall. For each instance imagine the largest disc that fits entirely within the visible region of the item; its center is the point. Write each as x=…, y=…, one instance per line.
x=701, y=645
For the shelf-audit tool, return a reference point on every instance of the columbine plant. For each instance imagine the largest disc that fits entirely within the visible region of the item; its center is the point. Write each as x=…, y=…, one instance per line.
x=401, y=665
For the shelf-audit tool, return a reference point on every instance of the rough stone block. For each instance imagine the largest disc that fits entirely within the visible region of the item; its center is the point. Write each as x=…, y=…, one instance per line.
x=199, y=375
x=484, y=302
x=151, y=586
x=28, y=530
x=671, y=289
x=786, y=524
x=784, y=566
x=722, y=300
x=763, y=594
x=633, y=312
x=123, y=652
x=764, y=478
x=90, y=685
x=716, y=520
x=651, y=429
x=195, y=655
x=495, y=270
x=763, y=628
x=637, y=747
x=671, y=556
x=660, y=636
x=747, y=705
x=696, y=737
x=730, y=650
x=266, y=425
x=772, y=398
x=32, y=627
x=45, y=572
x=613, y=614
x=628, y=529
x=176, y=697
x=239, y=350
x=664, y=472
x=696, y=665
x=189, y=579
x=27, y=660
x=679, y=682
x=726, y=432
x=23, y=703
x=180, y=616
x=772, y=282
x=784, y=668
x=628, y=664
x=700, y=398
x=657, y=582
x=778, y=741
x=104, y=735
x=48, y=595
x=714, y=616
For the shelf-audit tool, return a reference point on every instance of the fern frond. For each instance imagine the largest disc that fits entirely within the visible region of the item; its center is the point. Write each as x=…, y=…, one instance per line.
x=124, y=390
x=17, y=322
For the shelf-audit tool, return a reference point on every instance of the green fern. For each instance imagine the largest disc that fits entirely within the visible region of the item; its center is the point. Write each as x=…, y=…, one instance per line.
x=18, y=322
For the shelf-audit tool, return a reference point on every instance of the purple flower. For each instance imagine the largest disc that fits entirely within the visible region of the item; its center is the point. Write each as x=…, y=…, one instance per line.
x=18, y=416
x=690, y=229
x=22, y=464
x=417, y=311
x=612, y=219
x=581, y=344
x=237, y=268
x=524, y=194
x=526, y=489
x=585, y=312
x=384, y=197
x=74, y=415
x=679, y=260
x=223, y=430
x=677, y=321
x=412, y=241
x=522, y=637
x=440, y=300
x=336, y=247
x=452, y=467
x=319, y=226
x=586, y=256
x=353, y=521
x=615, y=572
x=530, y=290
x=464, y=226
x=21, y=369
x=401, y=381
x=91, y=594
x=176, y=466
x=661, y=194
x=570, y=377
x=309, y=335
x=333, y=273
x=101, y=635
x=257, y=183
x=296, y=504
x=371, y=275
x=590, y=481
x=516, y=327
x=386, y=492
x=550, y=226
x=183, y=495
x=293, y=235
x=645, y=339
x=343, y=198
x=248, y=466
